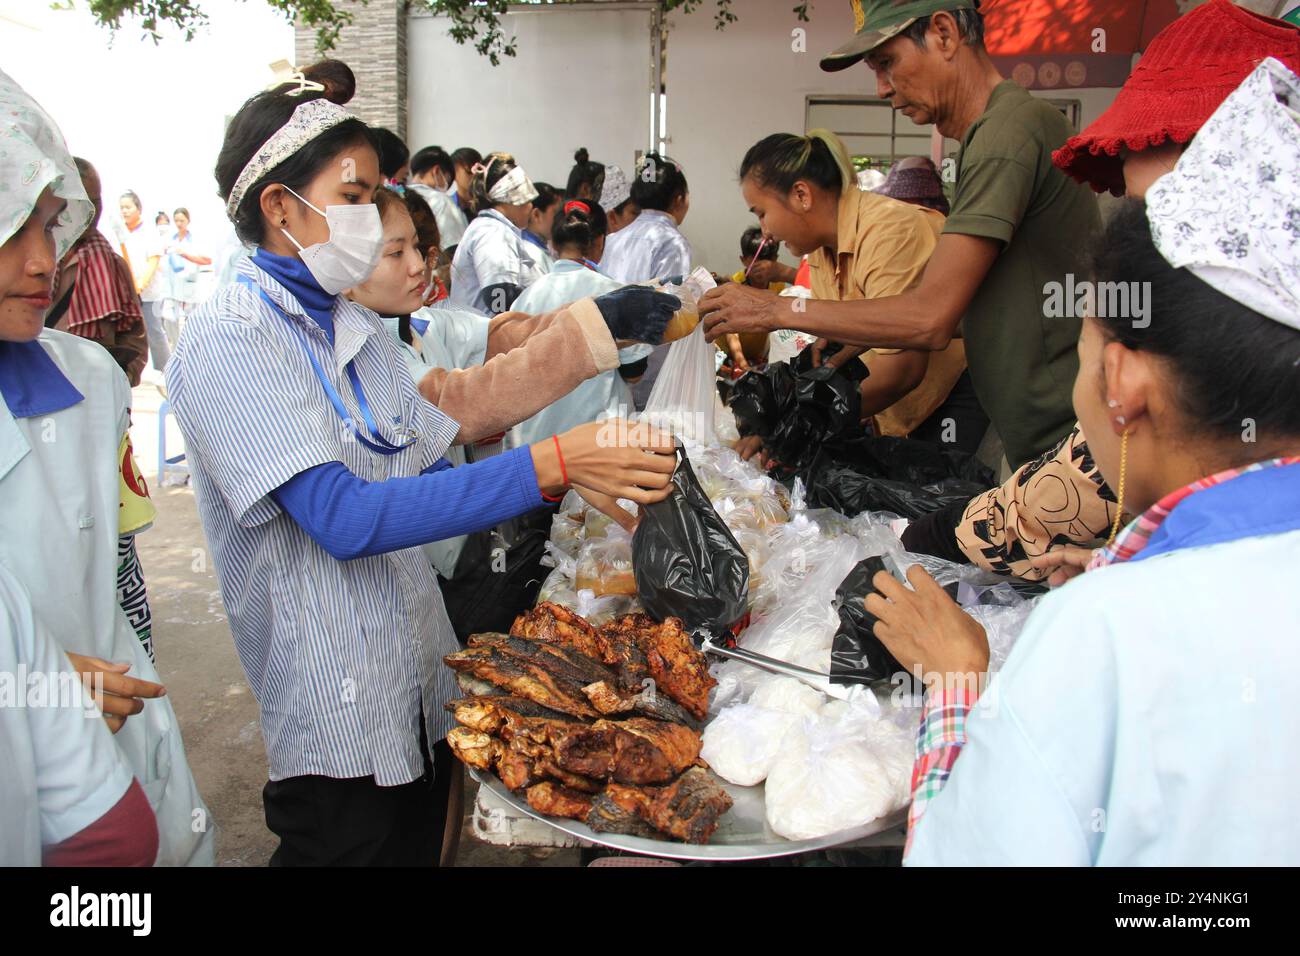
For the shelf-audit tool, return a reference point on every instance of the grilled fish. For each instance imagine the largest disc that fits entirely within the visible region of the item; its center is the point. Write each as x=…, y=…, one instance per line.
x=524, y=677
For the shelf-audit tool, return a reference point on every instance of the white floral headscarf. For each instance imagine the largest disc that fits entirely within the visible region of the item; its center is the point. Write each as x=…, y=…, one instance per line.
x=33, y=155
x=1229, y=211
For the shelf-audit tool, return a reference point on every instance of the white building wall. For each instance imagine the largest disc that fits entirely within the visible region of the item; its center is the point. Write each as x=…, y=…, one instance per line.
x=582, y=78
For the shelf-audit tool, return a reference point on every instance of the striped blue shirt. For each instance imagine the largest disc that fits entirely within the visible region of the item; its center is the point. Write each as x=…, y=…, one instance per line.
x=341, y=655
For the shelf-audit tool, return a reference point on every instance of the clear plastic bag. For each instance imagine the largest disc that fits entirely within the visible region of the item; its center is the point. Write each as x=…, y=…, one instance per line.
x=601, y=609
x=682, y=397
x=558, y=589
x=604, y=564
x=1003, y=625
x=790, y=631
x=743, y=741
x=752, y=510
x=560, y=559
x=567, y=533
x=969, y=585
x=837, y=770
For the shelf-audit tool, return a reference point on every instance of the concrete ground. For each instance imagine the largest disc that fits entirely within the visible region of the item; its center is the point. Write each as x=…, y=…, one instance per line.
x=197, y=661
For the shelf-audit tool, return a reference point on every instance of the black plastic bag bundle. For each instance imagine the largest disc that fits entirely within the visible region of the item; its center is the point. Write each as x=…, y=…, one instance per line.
x=850, y=492
x=686, y=562
x=857, y=656
x=498, y=575
x=796, y=408
x=760, y=398
x=909, y=459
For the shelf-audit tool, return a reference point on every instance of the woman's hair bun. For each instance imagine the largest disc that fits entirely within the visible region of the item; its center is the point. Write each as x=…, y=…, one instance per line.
x=336, y=76
x=581, y=156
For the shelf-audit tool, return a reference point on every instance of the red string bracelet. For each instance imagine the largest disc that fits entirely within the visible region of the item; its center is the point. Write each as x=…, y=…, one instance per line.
x=564, y=472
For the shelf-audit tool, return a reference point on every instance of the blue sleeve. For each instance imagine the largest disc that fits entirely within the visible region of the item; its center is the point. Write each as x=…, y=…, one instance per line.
x=353, y=518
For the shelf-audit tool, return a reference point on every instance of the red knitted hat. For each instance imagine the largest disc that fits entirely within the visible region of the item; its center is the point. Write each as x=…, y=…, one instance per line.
x=1187, y=71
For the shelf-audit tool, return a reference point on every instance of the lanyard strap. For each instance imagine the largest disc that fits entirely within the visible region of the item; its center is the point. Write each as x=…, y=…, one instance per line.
x=380, y=444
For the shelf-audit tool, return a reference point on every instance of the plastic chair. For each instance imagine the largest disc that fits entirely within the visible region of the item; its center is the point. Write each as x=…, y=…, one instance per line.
x=178, y=462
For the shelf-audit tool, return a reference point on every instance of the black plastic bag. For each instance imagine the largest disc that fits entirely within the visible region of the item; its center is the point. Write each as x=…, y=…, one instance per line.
x=826, y=400
x=761, y=397
x=498, y=575
x=686, y=562
x=850, y=492
x=857, y=656
x=908, y=459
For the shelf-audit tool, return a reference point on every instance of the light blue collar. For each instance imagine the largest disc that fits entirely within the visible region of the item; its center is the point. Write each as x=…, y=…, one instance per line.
x=1252, y=504
x=568, y=265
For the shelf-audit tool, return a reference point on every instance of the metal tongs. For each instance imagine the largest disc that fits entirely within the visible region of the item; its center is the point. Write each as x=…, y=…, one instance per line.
x=815, y=679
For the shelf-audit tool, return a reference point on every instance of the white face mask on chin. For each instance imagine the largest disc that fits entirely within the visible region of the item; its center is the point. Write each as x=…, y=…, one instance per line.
x=352, y=251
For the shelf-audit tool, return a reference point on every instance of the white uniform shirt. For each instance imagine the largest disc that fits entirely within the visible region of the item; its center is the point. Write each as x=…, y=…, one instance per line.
x=60, y=487
x=62, y=771
x=493, y=251
x=142, y=244
x=451, y=221
x=649, y=247
x=1146, y=717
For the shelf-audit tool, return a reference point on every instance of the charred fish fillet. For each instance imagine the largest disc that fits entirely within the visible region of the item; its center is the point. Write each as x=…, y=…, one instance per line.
x=523, y=678
x=558, y=625
x=552, y=624
x=471, y=686
x=688, y=809
x=560, y=661
x=607, y=815
x=474, y=748
x=677, y=667
x=636, y=751
x=518, y=764
x=507, y=717
x=647, y=702
x=556, y=800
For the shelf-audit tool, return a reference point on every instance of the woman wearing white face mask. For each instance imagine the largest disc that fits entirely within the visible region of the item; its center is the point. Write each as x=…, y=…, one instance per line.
x=319, y=470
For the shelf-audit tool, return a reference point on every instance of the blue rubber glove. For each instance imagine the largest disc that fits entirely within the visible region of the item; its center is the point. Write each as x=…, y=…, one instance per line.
x=636, y=313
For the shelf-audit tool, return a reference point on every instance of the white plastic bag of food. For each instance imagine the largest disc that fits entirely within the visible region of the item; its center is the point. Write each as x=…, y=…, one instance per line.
x=741, y=743
x=833, y=772
x=787, y=695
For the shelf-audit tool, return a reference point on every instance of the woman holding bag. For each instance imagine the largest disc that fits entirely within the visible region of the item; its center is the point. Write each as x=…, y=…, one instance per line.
x=319, y=470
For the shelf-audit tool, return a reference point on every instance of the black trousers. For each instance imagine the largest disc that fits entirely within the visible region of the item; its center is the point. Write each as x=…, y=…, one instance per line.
x=328, y=821
x=963, y=409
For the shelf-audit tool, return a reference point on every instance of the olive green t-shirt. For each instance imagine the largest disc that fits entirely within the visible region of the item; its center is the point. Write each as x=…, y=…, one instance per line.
x=1022, y=362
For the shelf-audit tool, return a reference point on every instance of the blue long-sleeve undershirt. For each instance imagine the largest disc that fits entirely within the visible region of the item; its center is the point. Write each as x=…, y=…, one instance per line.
x=353, y=518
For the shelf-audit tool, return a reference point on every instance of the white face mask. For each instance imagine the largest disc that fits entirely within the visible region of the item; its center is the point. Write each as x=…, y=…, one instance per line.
x=352, y=251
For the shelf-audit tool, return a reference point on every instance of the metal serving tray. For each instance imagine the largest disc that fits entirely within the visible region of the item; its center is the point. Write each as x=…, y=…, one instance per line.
x=743, y=833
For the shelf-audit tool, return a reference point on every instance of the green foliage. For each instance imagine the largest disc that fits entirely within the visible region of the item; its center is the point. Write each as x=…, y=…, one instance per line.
x=472, y=21
x=186, y=16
